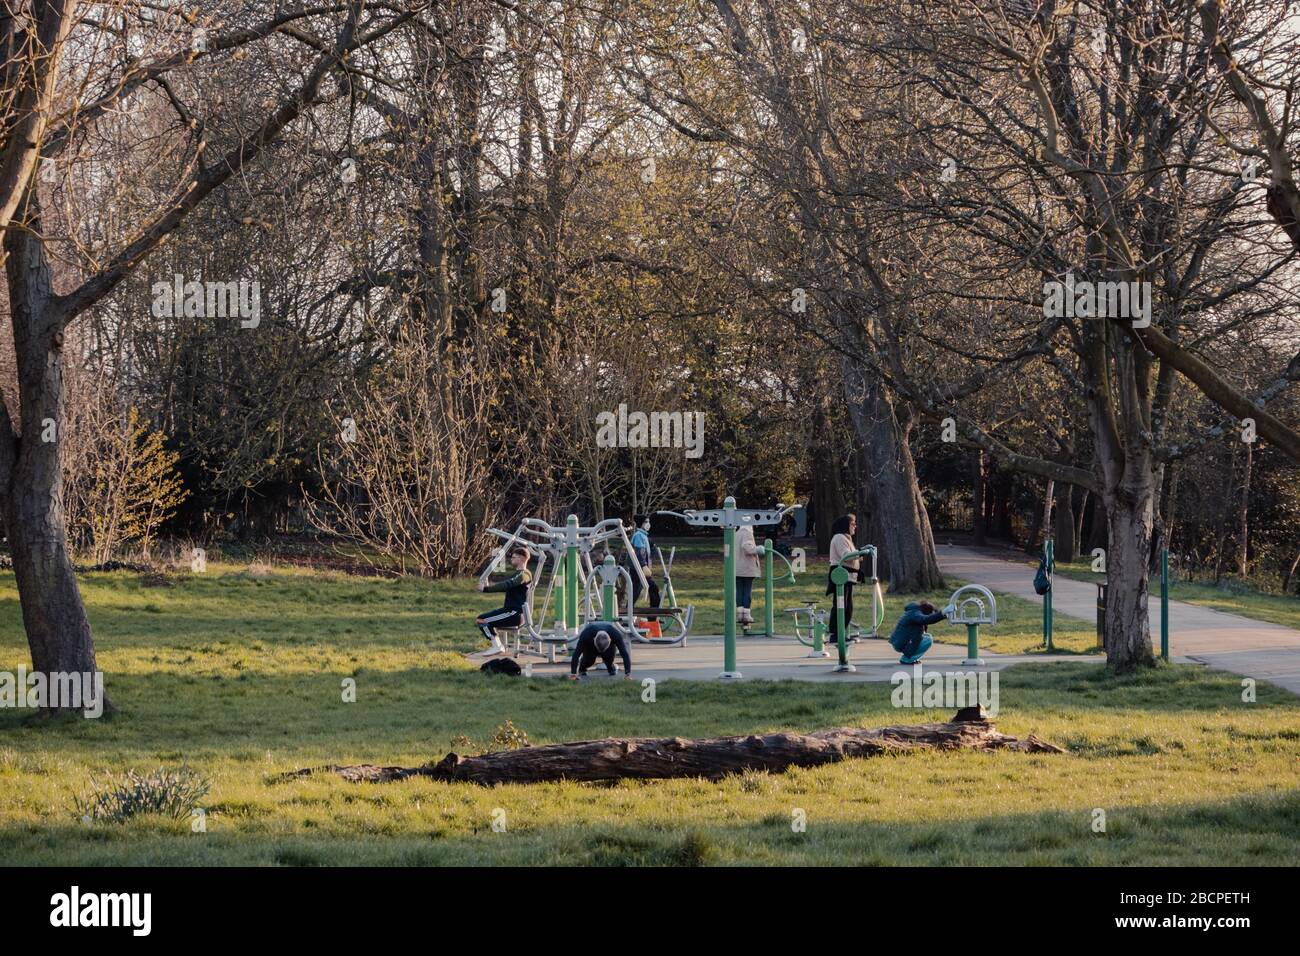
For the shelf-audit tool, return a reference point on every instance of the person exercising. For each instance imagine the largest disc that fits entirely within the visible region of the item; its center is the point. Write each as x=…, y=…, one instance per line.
x=842, y=532
x=641, y=555
x=516, y=592
x=599, y=641
x=910, y=637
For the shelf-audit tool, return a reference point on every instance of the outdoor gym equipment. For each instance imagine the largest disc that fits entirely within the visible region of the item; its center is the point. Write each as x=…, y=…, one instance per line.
x=730, y=518
x=769, y=605
x=679, y=618
x=568, y=548
x=608, y=573
x=839, y=578
x=810, y=628
x=970, y=608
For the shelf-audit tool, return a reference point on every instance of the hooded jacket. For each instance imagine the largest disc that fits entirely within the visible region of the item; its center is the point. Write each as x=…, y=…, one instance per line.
x=912, y=625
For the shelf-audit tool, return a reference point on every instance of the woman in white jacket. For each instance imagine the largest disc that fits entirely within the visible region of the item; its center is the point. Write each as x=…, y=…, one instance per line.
x=747, y=568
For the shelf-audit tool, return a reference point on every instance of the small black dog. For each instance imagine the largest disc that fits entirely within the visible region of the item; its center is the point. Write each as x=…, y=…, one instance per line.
x=502, y=665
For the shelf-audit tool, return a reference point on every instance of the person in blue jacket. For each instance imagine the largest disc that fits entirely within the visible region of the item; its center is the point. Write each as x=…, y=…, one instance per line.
x=641, y=554
x=910, y=637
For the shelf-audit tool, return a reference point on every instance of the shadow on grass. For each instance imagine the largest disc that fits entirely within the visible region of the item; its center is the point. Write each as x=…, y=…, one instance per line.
x=414, y=710
x=1254, y=830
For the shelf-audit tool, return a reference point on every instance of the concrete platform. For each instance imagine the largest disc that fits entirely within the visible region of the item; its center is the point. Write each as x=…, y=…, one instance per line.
x=766, y=658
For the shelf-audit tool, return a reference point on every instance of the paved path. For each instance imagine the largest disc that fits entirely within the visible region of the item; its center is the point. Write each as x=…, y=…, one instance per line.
x=1236, y=644
x=1227, y=641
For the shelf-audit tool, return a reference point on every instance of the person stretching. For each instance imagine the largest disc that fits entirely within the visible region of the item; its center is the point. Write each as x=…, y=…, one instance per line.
x=516, y=591
x=599, y=641
x=910, y=637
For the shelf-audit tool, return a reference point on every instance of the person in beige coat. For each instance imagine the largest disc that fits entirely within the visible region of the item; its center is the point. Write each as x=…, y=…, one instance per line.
x=748, y=567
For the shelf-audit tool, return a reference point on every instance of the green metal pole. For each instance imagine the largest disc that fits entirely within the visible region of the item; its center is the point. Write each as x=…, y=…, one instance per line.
x=571, y=580
x=1047, y=598
x=729, y=598
x=839, y=577
x=769, y=619
x=1164, y=604
x=610, y=609
x=972, y=646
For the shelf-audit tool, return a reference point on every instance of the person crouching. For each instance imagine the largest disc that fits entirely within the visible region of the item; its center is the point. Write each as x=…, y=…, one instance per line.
x=910, y=637
x=600, y=641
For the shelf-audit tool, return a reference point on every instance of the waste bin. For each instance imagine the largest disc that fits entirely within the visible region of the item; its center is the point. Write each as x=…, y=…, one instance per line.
x=1101, y=614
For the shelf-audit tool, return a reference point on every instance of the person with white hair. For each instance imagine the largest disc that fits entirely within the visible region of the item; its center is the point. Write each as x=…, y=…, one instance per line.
x=600, y=641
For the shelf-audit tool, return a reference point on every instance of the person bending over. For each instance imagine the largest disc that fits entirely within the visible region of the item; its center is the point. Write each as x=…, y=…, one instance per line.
x=599, y=642
x=910, y=637
x=516, y=592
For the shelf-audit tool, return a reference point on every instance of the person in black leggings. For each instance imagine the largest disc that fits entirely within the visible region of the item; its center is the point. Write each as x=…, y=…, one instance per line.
x=600, y=642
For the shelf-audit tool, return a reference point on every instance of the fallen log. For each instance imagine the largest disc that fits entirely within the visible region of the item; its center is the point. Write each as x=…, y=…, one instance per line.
x=647, y=758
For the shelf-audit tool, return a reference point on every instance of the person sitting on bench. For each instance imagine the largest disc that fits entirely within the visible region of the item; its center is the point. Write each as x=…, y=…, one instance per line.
x=910, y=637
x=516, y=591
x=599, y=641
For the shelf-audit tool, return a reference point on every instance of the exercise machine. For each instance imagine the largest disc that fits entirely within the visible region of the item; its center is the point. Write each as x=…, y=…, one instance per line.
x=730, y=519
x=679, y=619
x=769, y=604
x=839, y=578
x=973, y=605
x=567, y=549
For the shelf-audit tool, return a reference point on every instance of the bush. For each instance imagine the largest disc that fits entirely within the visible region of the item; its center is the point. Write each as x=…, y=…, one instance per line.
x=172, y=793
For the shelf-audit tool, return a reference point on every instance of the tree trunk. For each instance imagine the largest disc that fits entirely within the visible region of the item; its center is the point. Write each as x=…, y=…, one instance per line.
x=827, y=492
x=1035, y=528
x=1243, y=516
x=1129, y=511
x=646, y=758
x=906, y=542
x=1079, y=516
x=58, y=631
x=1002, y=510
x=1066, y=546
x=1290, y=573
x=979, y=525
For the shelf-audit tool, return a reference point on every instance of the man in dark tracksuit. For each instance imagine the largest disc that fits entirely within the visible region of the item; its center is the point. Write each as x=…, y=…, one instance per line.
x=516, y=592
x=599, y=641
x=910, y=638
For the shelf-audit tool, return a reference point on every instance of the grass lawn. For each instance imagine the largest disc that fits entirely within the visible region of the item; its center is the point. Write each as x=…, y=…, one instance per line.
x=238, y=676
x=1231, y=596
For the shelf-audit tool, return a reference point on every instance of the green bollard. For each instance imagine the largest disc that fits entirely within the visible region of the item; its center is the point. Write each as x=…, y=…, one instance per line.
x=972, y=646
x=1164, y=604
x=729, y=670
x=571, y=579
x=840, y=577
x=1048, y=552
x=609, y=612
